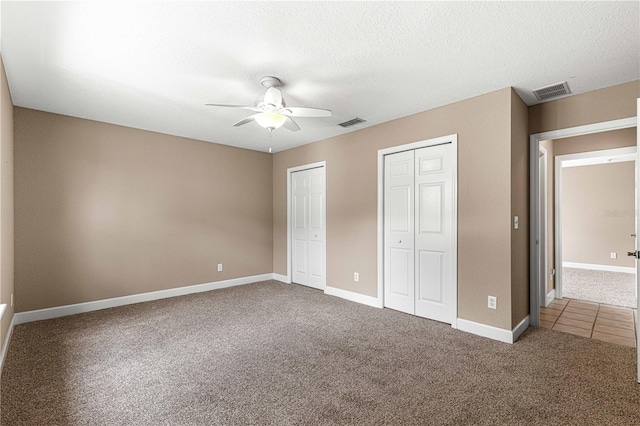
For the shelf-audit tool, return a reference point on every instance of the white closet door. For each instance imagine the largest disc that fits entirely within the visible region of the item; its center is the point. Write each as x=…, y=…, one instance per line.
x=399, y=287
x=434, y=244
x=308, y=233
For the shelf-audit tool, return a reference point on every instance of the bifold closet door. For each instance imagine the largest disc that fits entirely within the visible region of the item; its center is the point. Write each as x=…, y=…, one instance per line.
x=399, y=180
x=308, y=227
x=418, y=229
x=433, y=233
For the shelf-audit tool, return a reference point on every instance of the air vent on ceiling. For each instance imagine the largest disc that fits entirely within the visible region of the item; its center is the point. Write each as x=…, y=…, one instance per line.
x=353, y=122
x=552, y=91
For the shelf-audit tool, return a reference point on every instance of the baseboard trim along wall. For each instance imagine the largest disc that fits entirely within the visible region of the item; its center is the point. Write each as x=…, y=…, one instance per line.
x=494, y=333
x=78, y=308
x=354, y=297
x=594, y=267
x=550, y=296
x=282, y=278
x=5, y=344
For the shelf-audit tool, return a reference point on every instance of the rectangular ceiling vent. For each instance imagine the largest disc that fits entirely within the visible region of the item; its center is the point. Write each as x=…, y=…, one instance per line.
x=552, y=91
x=353, y=122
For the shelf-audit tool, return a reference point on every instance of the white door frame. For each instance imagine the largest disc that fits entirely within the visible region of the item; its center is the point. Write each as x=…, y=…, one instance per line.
x=290, y=171
x=534, y=145
x=560, y=163
x=453, y=139
x=542, y=230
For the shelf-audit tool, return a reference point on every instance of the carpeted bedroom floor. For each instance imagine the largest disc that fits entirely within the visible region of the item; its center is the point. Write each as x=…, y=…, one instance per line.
x=273, y=353
x=610, y=288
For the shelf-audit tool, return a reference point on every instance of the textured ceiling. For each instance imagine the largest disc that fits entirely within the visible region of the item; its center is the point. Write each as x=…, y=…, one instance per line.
x=153, y=65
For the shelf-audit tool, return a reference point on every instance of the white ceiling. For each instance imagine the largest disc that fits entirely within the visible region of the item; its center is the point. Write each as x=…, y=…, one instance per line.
x=153, y=65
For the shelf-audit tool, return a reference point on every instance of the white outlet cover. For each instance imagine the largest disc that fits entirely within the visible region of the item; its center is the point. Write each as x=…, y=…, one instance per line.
x=492, y=302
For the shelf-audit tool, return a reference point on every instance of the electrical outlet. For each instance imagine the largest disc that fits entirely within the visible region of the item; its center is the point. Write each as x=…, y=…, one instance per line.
x=356, y=276
x=492, y=302
x=515, y=222
x=614, y=255
x=219, y=267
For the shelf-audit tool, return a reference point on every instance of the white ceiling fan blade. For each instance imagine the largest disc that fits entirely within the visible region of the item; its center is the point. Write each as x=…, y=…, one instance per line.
x=306, y=112
x=236, y=106
x=289, y=124
x=245, y=120
x=273, y=97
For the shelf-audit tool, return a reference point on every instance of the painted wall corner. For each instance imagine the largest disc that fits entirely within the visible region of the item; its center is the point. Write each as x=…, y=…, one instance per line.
x=6, y=203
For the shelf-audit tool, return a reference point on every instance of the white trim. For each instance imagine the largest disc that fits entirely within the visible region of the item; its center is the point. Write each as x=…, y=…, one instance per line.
x=542, y=230
x=453, y=139
x=589, y=158
x=3, y=307
x=534, y=141
x=495, y=333
x=78, y=308
x=291, y=170
x=595, y=267
x=550, y=296
x=282, y=278
x=5, y=344
x=354, y=297
x=520, y=328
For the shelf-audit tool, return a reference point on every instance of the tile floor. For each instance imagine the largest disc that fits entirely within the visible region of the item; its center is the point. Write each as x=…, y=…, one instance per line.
x=612, y=324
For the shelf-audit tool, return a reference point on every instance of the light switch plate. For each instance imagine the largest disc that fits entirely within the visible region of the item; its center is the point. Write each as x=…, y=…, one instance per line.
x=515, y=222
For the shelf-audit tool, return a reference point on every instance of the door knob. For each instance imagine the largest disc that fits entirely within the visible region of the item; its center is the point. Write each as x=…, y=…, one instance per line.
x=399, y=241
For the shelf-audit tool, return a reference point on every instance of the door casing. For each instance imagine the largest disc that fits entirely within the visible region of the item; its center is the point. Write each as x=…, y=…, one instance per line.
x=534, y=199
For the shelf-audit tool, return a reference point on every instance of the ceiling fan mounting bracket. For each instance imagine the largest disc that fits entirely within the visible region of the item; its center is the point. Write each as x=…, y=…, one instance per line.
x=269, y=81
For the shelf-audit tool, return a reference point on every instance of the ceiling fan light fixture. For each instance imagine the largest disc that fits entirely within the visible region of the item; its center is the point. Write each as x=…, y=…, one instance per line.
x=271, y=120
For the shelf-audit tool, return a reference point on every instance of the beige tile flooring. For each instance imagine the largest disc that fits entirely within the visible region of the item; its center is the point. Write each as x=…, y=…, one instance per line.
x=612, y=324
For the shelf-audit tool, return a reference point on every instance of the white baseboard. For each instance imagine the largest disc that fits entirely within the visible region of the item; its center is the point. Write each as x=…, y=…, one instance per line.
x=520, y=328
x=282, y=278
x=354, y=297
x=78, y=308
x=594, y=267
x=495, y=333
x=5, y=344
x=550, y=297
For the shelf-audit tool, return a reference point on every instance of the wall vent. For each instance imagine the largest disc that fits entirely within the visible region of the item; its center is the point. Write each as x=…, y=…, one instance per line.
x=353, y=122
x=552, y=91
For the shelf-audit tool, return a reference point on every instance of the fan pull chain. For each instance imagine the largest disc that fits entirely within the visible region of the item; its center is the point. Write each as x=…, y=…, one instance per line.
x=270, y=130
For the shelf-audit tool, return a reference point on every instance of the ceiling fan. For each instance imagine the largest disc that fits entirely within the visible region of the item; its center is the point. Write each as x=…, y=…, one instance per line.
x=272, y=111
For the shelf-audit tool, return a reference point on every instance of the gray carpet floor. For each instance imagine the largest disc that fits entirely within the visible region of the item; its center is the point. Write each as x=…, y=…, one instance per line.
x=612, y=288
x=273, y=353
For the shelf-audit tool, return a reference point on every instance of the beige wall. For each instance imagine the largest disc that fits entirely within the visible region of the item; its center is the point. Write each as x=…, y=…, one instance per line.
x=598, y=213
x=105, y=211
x=595, y=142
x=610, y=103
x=6, y=202
x=485, y=136
x=520, y=208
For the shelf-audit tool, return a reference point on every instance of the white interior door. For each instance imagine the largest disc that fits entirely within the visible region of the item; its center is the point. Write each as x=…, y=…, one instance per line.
x=399, y=181
x=308, y=227
x=433, y=234
x=419, y=243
